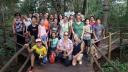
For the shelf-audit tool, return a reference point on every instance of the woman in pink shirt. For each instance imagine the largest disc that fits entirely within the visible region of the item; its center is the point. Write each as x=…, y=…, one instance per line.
x=42, y=32
x=92, y=20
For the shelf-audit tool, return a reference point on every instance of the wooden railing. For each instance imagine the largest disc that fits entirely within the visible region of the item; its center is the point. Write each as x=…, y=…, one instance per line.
x=108, y=46
x=4, y=68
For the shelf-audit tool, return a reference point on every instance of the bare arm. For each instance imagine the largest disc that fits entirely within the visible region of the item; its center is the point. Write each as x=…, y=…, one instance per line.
x=83, y=32
x=94, y=35
x=103, y=32
x=81, y=49
x=28, y=48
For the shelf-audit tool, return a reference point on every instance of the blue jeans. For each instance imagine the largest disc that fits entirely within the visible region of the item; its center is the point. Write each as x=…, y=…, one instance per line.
x=44, y=38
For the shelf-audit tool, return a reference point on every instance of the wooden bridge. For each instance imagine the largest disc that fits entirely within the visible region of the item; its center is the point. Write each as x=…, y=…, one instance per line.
x=108, y=44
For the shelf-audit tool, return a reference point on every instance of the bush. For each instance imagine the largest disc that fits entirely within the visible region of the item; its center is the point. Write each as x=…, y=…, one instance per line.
x=123, y=67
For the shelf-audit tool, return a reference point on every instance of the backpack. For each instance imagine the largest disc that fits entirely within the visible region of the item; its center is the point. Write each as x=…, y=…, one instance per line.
x=52, y=58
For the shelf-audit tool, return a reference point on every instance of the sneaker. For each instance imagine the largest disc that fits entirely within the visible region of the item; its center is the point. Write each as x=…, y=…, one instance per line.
x=31, y=69
x=74, y=64
x=80, y=62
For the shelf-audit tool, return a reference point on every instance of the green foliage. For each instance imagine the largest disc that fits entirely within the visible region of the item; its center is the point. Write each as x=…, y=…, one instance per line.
x=95, y=8
x=8, y=22
x=117, y=14
x=123, y=67
x=6, y=52
x=27, y=6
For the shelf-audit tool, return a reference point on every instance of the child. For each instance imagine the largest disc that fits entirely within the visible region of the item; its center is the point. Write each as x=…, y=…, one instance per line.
x=86, y=35
x=38, y=52
x=52, y=44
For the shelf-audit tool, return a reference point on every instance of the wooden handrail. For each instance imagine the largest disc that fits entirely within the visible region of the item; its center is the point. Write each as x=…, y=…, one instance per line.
x=25, y=63
x=14, y=56
x=106, y=37
x=11, y=60
x=95, y=60
x=115, y=33
x=106, y=58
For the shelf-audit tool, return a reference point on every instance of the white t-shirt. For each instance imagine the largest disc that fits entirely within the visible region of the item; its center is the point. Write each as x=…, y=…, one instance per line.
x=87, y=32
x=64, y=28
x=41, y=31
x=27, y=23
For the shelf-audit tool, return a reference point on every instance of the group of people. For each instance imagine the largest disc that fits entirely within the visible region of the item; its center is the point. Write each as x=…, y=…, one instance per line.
x=62, y=37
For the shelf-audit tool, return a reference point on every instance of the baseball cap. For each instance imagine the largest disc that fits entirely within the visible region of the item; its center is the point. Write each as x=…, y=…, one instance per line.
x=38, y=40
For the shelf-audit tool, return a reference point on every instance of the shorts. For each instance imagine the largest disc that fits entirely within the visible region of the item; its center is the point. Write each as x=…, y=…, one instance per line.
x=44, y=38
x=87, y=42
x=38, y=60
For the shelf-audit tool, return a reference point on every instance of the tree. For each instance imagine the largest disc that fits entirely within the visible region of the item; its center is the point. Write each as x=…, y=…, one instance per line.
x=5, y=6
x=106, y=12
x=84, y=6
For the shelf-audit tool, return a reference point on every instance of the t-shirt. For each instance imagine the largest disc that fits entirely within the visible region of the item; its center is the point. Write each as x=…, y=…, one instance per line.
x=64, y=28
x=98, y=28
x=87, y=32
x=78, y=28
x=46, y=24
x=92, y=23
x=19, y=25
x=41, y=31
x=68, y=45
x=27, y=23
x=33, y=30
x=53, y=42
x=76, y=49
x=54, y=28
x=42, y=50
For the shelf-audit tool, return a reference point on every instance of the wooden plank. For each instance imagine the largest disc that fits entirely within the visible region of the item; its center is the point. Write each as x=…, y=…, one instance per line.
x=109, y=46
x=61, y=68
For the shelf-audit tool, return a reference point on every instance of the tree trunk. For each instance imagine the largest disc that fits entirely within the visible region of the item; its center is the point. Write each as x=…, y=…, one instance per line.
x=127, y=10
x=3, y=25
x=84, y=6
x=64, y=5
x=106, y=14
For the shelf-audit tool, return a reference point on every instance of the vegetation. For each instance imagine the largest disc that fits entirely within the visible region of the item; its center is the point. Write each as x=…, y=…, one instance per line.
x=123, y=67
x=113, y=12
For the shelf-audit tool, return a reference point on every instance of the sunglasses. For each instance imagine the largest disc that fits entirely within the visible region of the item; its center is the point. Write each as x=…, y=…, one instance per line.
x=65, y=35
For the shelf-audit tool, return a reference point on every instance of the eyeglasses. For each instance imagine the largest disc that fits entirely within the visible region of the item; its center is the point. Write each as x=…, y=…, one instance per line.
x=65, y=35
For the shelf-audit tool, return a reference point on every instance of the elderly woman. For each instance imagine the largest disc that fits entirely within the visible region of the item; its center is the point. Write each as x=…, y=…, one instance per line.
x=64, y=50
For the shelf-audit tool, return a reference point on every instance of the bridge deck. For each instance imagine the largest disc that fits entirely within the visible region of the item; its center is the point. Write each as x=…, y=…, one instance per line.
x=57, y=67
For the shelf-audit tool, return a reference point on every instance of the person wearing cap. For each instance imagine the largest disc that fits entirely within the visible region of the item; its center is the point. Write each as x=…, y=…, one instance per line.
x=64, y=50
x=38, y=52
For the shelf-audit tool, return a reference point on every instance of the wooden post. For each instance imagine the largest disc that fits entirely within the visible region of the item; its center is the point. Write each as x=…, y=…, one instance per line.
x=121, y=48
x=109, y=46
x=121, y=37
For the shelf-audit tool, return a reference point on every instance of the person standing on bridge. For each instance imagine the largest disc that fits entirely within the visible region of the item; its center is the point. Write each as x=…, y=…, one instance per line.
x=98, y=31
x=86, y=35
x=33, y=28
x=38, y=53
x=18, y=30
x=77, y=27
